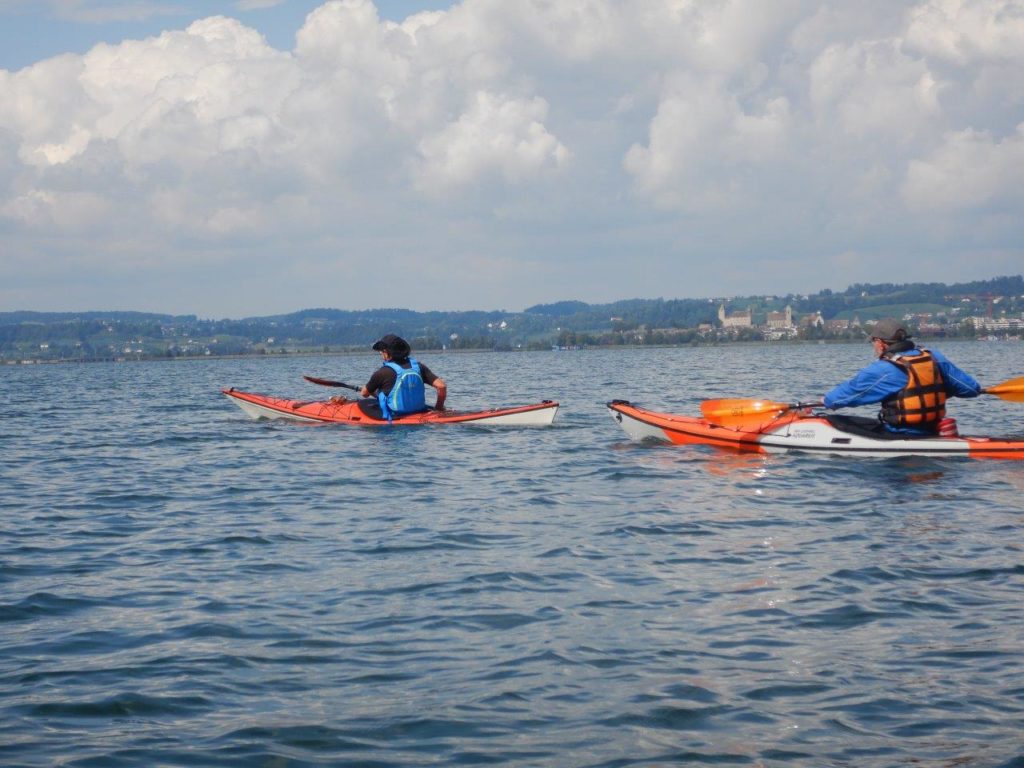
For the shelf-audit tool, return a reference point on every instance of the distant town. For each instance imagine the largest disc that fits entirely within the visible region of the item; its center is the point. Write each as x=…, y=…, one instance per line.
x=986, y=309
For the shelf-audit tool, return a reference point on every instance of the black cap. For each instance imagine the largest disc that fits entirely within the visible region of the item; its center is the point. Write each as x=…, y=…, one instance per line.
x=889, y=330
x=396, y=345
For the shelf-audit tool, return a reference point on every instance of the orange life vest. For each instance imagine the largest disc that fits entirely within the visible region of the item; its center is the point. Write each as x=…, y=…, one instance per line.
x=922, y=403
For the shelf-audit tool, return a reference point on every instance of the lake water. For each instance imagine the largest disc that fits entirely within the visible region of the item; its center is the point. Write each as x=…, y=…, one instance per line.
x=182, y=586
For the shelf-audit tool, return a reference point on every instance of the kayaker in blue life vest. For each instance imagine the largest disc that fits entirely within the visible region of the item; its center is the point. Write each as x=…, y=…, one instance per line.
x=397, y=387
x=910, y=382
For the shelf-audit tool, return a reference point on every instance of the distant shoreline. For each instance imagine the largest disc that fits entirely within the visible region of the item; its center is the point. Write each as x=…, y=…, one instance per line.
x=477, y=350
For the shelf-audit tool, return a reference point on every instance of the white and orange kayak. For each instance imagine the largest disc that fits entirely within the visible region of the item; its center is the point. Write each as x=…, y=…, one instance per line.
x=799, y=430
x=324, y=411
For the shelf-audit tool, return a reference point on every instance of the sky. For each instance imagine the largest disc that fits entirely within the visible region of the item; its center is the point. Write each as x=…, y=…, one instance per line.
x=239, y=158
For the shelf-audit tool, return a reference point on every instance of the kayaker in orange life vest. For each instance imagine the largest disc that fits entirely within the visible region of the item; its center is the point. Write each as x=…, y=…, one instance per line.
x=397, y=387
x=911, y=383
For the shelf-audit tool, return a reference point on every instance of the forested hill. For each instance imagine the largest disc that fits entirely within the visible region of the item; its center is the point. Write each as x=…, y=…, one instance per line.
x=111, y=335
x=862, y=298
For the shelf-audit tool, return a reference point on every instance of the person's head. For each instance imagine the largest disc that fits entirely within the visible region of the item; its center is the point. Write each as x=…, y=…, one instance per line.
x=392, y=347
x=886, y=332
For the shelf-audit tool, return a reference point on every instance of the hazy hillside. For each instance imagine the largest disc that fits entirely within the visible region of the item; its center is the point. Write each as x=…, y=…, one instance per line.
x=101, y=335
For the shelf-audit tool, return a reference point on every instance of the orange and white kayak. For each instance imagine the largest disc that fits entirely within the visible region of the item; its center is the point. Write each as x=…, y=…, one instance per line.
x=800, y=430
x=324, y=411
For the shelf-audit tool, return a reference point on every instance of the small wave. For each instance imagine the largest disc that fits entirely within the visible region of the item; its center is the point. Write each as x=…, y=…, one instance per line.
x=843, y=617
x=785, y=691
x=43, y=604
x=123, y=705
x=669, y=718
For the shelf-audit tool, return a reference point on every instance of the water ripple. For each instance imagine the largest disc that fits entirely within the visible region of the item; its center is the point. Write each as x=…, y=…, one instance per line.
x=185, y=587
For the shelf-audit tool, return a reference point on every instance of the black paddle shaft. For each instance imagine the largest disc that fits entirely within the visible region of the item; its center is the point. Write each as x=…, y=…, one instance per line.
x=330, y=383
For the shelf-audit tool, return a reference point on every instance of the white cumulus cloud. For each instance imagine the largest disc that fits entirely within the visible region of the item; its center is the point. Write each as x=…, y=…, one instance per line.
x=966, y=31
x=504, y=135
x=679, y=131
x=703, y=145
x=970, y=169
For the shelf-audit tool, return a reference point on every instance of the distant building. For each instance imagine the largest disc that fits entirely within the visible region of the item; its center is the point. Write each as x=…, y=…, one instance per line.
x=1005, y=324
x=742, y=319
x=780, y=320
x=814, y=321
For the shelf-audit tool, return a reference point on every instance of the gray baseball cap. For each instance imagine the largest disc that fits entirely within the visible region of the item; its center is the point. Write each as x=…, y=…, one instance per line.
x=889, y=330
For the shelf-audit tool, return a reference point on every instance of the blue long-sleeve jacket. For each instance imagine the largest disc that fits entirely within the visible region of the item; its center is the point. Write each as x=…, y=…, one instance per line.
x=881, y=379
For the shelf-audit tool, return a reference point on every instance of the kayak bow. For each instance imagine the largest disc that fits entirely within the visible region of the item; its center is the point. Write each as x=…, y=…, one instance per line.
x=324, y=411
x=800, y=430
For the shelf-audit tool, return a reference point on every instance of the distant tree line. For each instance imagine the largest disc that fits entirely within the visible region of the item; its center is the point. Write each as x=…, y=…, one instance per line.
x=116, y=335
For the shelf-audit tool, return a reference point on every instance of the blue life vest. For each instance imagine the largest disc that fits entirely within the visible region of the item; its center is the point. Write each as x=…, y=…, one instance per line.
x=407, y=395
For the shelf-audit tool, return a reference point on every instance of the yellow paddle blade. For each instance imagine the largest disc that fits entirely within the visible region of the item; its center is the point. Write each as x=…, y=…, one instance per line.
x=1012, y=390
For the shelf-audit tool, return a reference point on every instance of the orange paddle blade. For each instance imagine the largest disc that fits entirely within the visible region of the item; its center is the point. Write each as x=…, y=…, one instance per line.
x=738, y=412
x=1012, y=390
